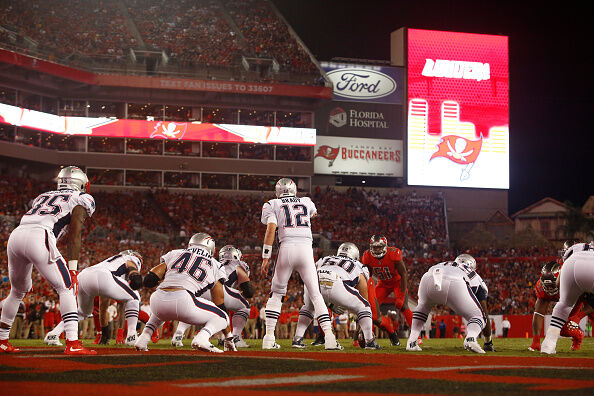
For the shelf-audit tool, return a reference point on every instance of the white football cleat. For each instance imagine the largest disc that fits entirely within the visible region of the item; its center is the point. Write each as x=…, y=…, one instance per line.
x=142, y=343
x=548, y=347
x=240, y=343
x=470, y=344
x=52, y=340
x=413, y=346
x=176, y=341
x=330, y=342
x=269, y=342
x=206, y=347
x=131, y=340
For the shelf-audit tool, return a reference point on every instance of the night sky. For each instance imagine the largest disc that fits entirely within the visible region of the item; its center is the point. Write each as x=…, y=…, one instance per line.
x=551, y=74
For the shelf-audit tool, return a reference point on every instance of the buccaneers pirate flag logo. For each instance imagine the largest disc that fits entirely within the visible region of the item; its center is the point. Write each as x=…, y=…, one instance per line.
x=330, y=153
x=459, y=150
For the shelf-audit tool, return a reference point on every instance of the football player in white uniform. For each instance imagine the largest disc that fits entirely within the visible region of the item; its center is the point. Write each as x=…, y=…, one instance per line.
x=117, y=277
x=183, y=274
x=291, y=216
x=575, y=279
x=341, y=279
x=237, y=288
x=33, y=244
x=449, y=283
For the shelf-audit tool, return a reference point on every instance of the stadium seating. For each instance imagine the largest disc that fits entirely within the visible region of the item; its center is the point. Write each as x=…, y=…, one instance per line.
x=192, y=34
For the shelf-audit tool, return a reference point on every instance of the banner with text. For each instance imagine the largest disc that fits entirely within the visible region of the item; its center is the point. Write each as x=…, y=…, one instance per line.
x=355, y=119
x=358, y=157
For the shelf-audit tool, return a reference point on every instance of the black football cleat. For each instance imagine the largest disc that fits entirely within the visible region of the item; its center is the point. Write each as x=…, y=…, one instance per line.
x=394, y=340
x=488, y=347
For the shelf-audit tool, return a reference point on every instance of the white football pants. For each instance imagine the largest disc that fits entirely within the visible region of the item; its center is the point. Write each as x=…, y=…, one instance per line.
x=33, y=246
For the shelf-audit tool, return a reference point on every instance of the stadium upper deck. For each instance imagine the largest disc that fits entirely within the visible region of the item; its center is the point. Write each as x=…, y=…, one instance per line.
x=227, y=40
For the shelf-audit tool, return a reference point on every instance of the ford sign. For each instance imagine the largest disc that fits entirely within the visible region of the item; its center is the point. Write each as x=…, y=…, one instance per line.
x=358, y=83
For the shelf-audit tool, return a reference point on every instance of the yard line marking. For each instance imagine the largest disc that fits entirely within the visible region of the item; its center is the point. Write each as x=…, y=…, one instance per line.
x=300, y=379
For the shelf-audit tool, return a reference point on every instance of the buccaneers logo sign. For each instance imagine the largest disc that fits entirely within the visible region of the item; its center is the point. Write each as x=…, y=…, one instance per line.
x=330, y=153
x=459, y=150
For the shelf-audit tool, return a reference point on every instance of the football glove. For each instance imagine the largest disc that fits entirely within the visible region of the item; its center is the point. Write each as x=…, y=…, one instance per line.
x=337, y=309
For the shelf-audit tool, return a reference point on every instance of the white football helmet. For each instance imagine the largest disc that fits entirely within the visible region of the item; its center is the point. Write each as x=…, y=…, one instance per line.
x=229, y=252
x=72, y=177
x=349, y=250
x=467, y=260
x=204, y=240
x=134, y=253
x=285, y=187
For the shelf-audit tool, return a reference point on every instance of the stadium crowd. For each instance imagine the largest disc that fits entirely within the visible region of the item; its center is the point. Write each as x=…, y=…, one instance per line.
x=415, y=224
x=192, y=34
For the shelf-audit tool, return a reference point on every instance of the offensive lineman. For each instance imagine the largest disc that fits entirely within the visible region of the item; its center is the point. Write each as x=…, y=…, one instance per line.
x=238, y=278
x=341, y=278
x=117, y=277
x=448, y=283
x=386, y=264
x=183, y=274
x=33, y=243
x=576, y=278
x=291, y=215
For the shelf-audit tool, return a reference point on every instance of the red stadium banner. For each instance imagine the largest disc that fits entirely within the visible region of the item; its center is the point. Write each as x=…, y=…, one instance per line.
x=184, y=84
x=194, y=131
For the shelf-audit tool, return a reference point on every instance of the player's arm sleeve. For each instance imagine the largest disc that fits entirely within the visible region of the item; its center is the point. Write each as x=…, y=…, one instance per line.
x=482, y=293
x=268, y=215
x=155, y=275
x=313, y=211
x=88, y=202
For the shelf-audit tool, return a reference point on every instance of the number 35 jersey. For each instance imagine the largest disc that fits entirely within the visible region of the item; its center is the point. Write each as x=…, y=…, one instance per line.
x=292, y=215
x=52, y=210
x=193, y=269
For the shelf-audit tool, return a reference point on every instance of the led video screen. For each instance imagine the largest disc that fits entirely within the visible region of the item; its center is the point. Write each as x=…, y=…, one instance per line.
x=458, y=110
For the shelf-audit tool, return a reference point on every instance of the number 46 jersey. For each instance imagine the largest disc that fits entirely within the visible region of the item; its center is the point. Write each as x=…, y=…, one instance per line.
x=292, y=215
x=52, y=210
x=193, y=269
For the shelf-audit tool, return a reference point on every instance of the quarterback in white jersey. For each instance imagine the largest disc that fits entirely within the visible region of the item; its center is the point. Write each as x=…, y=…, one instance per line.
x=117, y=277
x=449, y=283
x=341, y=279
x=575, y=279
x=237, y=289
x=291, y=216
x=183, y=274
x=33, y=244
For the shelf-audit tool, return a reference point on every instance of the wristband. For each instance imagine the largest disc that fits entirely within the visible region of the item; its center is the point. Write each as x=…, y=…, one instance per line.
x=538, y=313
x=73, y=265
x=266, y=251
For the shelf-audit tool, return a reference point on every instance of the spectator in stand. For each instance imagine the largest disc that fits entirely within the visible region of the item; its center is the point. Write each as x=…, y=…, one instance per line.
x=505, y=326
x=442, y=329
x=16, y=331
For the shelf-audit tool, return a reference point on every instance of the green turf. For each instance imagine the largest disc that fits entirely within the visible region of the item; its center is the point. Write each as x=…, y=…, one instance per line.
x=437, y=346
x=427, y=386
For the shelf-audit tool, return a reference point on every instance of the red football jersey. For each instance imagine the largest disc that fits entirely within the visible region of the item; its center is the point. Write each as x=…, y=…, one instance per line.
x=384, y=268
x=543, y=295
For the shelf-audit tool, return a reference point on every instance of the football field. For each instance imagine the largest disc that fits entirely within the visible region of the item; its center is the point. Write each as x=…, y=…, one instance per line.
x=443, y=367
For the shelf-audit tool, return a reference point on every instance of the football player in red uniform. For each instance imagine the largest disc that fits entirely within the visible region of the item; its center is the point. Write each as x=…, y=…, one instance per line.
x=386, y=264
x=547, y=292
